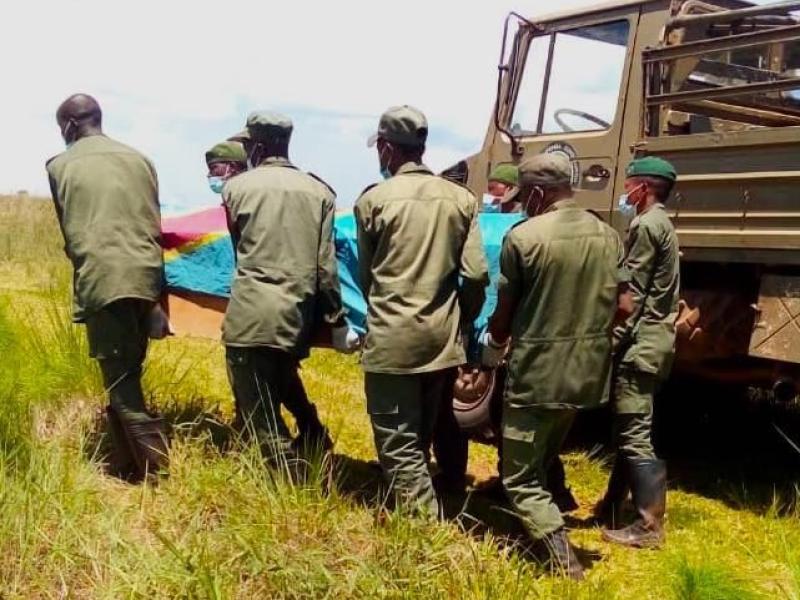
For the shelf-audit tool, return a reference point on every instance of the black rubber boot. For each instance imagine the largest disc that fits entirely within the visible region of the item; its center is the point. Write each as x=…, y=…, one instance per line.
x=313, y=439
x=608, y=510
x=557, y=486
x=562, y=558
x=648, y=479
x=147, y=438
x=120, y=460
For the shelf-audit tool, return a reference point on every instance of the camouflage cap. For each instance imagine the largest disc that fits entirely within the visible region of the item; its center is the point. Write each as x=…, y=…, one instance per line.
x=232, y=152
x=505, y=173
x=545, y=169
x=651, y=166
x=263, y=125
x=403, y=125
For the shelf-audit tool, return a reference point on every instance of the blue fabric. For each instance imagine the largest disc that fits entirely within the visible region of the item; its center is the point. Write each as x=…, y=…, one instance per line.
x=344, y=235
x=208, y=268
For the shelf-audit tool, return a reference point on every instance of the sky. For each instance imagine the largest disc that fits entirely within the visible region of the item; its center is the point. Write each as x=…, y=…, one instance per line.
x=173, y=78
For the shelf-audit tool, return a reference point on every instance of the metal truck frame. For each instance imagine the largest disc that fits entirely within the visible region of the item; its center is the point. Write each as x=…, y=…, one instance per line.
x=711, y=88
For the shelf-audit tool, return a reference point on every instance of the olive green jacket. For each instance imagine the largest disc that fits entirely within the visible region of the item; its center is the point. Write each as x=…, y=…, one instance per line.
x=106, y=200
x=562, y=269
x=422, y=270
x=286, y=282
x=646, y=342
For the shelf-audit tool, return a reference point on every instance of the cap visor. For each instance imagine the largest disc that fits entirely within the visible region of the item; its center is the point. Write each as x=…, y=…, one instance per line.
x=372, y=140
x=243, y=135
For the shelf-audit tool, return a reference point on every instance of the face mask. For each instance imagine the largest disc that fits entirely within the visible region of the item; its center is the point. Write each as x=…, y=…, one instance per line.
x=530, y=202
x=251, y=164
x=626, y=209
x=624, y=203
x=490, y=204
x=216, y=183
x=65, y=134
x=385, y=172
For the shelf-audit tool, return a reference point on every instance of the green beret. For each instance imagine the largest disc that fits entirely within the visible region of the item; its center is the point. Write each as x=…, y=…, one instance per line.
x=505, y=173
x=545, y=169
x=403, y=125
x=264, y=125
x=232, y=152
x=651, y=166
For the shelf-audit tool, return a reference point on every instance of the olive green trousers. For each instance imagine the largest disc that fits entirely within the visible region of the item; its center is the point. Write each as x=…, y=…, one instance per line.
x=532, y=439
x=633, y=413
x=260, y=378
x=403, y=410
x=118, y=340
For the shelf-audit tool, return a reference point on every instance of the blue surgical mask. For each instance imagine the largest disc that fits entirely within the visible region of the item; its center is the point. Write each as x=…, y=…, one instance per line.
x=216, y=183
x=490, y=204
x=626, y=209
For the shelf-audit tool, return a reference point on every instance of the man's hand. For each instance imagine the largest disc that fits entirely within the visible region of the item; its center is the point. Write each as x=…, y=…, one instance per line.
x=345, y=340
x=625, y=304
x=492, y=353
x=158, y=325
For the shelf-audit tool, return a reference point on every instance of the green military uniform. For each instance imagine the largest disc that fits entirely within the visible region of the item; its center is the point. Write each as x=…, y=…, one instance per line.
x=644, y=348
x=417, y=235
x=561, y=269
x=106, y=199
x=285, y=281
x=450, y=444
x=645, y=342
x=311, y=431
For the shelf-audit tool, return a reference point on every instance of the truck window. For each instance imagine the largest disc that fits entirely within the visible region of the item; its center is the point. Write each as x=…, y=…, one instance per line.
x=581, y=90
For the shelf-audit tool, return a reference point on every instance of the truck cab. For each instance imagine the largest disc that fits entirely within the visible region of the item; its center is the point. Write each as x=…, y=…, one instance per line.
x=714, y=89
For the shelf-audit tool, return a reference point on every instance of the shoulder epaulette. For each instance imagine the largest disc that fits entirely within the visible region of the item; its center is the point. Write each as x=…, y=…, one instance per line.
x=368, y=188
x=458, y=183
x=323, y=182
x=517, y=224
x=595, y=214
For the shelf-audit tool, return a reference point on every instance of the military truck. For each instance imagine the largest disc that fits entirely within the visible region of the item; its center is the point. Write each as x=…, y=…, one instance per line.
x=714, y=89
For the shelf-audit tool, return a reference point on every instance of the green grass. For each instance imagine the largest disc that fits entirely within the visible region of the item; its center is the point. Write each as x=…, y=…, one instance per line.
x=224, y=526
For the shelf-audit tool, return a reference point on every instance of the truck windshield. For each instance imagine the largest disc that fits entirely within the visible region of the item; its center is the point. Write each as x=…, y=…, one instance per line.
x=572, y=80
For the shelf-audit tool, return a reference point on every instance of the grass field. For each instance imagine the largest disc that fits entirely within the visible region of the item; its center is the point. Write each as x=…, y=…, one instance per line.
x=223, y=526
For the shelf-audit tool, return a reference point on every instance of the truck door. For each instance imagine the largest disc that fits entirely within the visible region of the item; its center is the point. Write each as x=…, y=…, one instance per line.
x=564, y=92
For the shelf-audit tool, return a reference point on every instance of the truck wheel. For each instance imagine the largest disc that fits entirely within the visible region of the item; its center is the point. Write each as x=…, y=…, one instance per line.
x=472, y=400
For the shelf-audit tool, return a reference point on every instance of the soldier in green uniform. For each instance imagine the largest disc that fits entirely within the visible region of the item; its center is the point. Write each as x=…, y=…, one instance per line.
x=557, y=296
x=106, y=199
x=285, y=284
x=225, y=160
x=423, y=273
x=644, y=348
x=501, y=190
x=450, y=444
